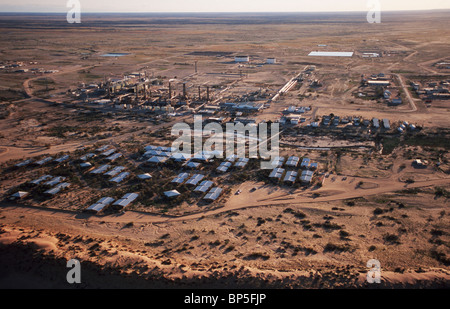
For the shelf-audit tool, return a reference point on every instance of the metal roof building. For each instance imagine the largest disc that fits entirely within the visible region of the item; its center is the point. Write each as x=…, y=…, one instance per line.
x=114, y=157
x=277, y=162
x=54, y=181
x=19, y=194
x=101, y=204
x=202, y=156
x=180, y=178
x=224, y=166
x=157, y=160
x=62, y=159
x=126, y=200
x=213, y=194
x=120, y=177
x=43, y=161
x=232, y=158
x=24, y=163
x=277, y=173
x=191, y=164
x=158, y=153
x=194, y=180
x=306, y=176
x=291, y=176
x=241, y=162
x=330, y=54
x=305, y=163
x=171, y=193
x=386, y=123
x=292, y=161
x=145, y=176
x=178, y=156
x=87, y=156
x=41, y=179
x=58, y=188
x=101, y=169
x=150, y=147
x=375, y=123
x=108, y=152
x=204, y=186
x=115, y=171
x=103, y=148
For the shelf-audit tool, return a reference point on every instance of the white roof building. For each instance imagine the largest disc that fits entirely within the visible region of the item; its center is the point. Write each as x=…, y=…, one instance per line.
x=100, y=204
x=19, y=195
x=115, y=171
x=24, y=163
x=119, y=178
x=114, y=157
x=290, y=176
x=62, y=159
x=194, y=180
x=276, y=173
x=241, y=162
x=40, y=179
x=213, y=194
x=126, y=200
x=224, y=166
x=145, y=176
x=101, y=169
x=171, y=193
x=204, y=186
x=43, y=161
x=58, y=188
x=180, y=178
x=157, y=160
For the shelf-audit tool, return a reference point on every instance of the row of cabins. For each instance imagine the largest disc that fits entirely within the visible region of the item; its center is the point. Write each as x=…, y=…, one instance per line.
x=306, y=176
x=54, y=184
x=307, y=172
x=119, y=204
x=201, y=186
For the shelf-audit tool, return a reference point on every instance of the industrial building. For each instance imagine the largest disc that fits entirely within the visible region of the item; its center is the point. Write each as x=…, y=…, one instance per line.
x=239, y=59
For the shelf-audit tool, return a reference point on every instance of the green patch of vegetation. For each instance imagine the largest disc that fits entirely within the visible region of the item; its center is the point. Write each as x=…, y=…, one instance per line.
x=428, y=140
x=389, y=144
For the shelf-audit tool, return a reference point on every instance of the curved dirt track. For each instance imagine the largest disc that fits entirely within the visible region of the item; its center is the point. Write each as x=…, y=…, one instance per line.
x=231, y=205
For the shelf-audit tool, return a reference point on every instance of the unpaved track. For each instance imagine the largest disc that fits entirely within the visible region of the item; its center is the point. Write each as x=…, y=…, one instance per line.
x=277, y=200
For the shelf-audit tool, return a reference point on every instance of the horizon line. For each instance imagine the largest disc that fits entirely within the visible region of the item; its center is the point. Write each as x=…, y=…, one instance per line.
x=224, y=12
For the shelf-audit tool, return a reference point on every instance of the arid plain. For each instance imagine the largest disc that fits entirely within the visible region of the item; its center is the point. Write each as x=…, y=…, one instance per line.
x=369, y=201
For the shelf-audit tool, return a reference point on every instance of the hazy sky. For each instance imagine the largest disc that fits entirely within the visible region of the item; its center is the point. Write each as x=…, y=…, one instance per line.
x=218, y=6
